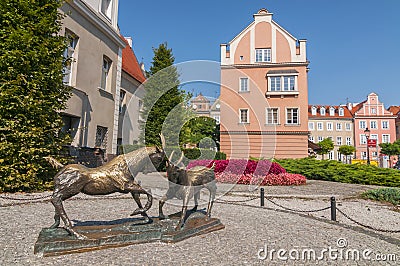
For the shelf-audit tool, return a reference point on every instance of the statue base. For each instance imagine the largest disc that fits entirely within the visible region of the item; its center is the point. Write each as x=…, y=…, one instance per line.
x=101, y=235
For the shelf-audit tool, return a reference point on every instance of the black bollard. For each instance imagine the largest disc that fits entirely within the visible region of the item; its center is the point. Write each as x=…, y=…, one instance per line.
x=333, y=209
x=262, y=197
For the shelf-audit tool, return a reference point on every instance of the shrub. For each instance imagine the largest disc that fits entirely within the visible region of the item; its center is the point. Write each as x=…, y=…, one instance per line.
x=391, y=195
x=338, y=172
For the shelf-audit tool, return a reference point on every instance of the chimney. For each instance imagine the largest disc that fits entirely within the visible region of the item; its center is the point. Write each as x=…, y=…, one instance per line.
x=350, y=106
x=142, y=68
x=129, y=39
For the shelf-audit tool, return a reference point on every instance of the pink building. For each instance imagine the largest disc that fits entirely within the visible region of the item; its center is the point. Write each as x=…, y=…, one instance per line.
x=372, y=114
x=396, y=111
x=264, y=92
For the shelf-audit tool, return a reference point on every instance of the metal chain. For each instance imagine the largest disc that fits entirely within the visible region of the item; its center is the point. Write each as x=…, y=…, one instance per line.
x=236, y=201
x=366, y=226
x=289, y=209
x=25, y=199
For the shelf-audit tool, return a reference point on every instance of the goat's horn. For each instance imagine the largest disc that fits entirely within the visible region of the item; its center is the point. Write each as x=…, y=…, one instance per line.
x=163, y=143
x=180, y=159
x=170, y=157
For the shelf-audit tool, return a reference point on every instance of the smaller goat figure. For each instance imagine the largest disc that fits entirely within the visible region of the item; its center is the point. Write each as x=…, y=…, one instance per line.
x=185, y=184
x=115, y=176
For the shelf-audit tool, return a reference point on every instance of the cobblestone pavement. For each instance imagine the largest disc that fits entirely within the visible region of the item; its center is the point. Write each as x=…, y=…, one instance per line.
x=249, y=230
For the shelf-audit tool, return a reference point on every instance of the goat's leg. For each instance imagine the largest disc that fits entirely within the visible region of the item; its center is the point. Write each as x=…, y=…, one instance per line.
x=184, y=208
x=160, y=206
x=56, y=220
x=149, y=202
x=60, y=212
x=196, y=199
x=136, y=197
x=212, y=191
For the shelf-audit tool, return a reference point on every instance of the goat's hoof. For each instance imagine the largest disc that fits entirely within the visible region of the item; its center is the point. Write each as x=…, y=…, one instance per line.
x=138, y=211
x=179, y=227
x=81, y=237
x=163, y=217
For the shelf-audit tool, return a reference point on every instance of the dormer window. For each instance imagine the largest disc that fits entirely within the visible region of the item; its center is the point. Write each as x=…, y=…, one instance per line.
x=341, y=111
x=314, y=110
x=332, y=111
x=322, y=111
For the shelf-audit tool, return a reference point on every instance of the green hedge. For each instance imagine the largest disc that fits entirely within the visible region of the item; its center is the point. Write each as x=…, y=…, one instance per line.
x=335, y=171
x=391, y=195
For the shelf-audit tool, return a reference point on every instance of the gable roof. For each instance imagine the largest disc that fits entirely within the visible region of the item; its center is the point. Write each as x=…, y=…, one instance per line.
x=394, y=109
x=130, y=64
x=346, y=114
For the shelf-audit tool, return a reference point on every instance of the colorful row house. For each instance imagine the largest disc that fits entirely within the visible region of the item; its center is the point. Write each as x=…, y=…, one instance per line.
x=372, y=114
x=334, y=122
x=353, y=124
x=264, y=92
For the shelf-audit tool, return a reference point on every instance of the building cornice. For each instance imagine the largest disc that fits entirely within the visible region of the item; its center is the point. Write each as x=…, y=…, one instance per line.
x=264, y=133
x=93, y=17
x=266, y=65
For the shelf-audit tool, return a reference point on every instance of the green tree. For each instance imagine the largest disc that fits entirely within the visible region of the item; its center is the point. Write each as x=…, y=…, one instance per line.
x=31, y=92
x=199, y=128
x=326, y=146
x=165, y=106
x=390, y=149
x=347, y=150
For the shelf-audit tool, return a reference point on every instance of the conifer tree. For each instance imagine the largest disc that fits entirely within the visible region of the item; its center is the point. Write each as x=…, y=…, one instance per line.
x=164, y=105
x=31, y=92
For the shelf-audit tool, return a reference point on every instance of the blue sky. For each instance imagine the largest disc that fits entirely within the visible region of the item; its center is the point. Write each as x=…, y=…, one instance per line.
x=353, y=46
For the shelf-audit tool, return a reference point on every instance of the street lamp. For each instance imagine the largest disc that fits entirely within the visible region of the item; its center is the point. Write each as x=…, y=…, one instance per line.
x=367, y=132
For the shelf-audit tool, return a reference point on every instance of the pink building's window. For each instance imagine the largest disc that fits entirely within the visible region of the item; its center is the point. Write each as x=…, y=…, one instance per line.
x=244, y=116
x=292, y=116
x=263, y=55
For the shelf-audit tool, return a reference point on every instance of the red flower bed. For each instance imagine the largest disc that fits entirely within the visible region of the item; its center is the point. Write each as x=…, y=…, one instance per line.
x=264, y=172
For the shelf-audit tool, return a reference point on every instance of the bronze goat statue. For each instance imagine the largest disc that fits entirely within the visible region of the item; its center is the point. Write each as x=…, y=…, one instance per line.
x=185, y=184
x=115, y=176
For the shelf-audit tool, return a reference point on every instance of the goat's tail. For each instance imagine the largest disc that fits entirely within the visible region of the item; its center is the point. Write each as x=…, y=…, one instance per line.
x=56, y=164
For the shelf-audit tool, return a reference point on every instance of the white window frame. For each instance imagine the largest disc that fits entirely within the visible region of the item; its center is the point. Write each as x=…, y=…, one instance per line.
x=341, y=111
x=373, y=122
x=363, y=139
x=311, y=138
x=320, y=138
x=106, y=8
x=385, y=138
x=331, y=155
x=363, y=155
x=70, y=54
x=339, y=141
x=332, y=111
x=105, y=73
x=320, y=126
x=297, y=113
x=329, y=126
x=322, y=111
x=348, y=141
x=240, y=116
x=217, y=119
x=339, y=127
x=311, y=126
x=263, y=55
x=314, y=110
x=383, y=124
x=267, y=113
x=348, y=126
x=244, y=84
x=276, y=83
x=362, y=124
